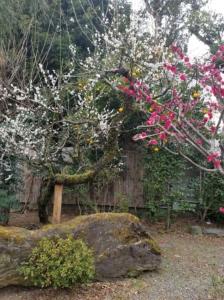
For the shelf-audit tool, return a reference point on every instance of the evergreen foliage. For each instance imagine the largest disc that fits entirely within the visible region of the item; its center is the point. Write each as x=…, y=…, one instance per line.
x=59, y=263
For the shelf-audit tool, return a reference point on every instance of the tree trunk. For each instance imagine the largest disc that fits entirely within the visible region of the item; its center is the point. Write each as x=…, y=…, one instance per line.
x=43, y=201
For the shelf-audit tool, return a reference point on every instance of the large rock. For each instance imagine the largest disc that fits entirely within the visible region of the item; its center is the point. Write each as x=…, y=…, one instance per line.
x=196, y=230
x=218, y=232
x=121, y=244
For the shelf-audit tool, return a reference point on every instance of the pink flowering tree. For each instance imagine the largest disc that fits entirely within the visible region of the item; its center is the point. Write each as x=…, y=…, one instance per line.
x=184, y=108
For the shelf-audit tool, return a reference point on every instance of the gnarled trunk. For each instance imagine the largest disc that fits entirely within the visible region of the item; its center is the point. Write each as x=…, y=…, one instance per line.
x=46, y=193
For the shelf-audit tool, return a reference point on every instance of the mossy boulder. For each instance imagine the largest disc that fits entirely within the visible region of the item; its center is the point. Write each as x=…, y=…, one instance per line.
x=196, y=230
x=121, y=245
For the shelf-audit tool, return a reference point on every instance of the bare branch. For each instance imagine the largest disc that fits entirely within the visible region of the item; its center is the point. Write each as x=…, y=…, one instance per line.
x=197, y=165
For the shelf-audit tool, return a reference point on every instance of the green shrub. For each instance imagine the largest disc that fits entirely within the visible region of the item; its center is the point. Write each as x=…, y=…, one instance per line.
x=123, y=203
x=210, y=191
x=7, y=201
x=59, y=263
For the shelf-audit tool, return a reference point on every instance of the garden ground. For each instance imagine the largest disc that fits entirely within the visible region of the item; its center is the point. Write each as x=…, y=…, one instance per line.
x=192, y=269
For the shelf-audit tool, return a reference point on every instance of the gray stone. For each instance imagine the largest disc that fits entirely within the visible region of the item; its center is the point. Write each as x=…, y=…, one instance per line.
x=214, y=231
x=196, y=230
x=121, y=244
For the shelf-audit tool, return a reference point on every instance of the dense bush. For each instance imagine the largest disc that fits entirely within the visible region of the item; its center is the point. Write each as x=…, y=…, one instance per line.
x=210, y=191
x=163, y=187
x=59, y=263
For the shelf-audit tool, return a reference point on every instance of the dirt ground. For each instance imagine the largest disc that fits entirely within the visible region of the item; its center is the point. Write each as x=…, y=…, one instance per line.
x=192, y=268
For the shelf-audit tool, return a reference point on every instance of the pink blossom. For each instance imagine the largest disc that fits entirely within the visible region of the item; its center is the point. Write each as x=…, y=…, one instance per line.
x=172, y=111
x=199, y=142
x=163, y=118
x=214, y=90
x=214, y=58
x=140, y=136
x=171, y=68
x=153, y=142
x=157, y=130
x=212, y=156
x=221, y=48
x=148, y=98
x=152, y=119
x=143, y=135
x=221, y=210
x=162, y=136
x=171, y=115
x=205, y=120
x=183, y=77
x=178, y=51
x=210, y=115
x=217, y=163
x=213, y=129
x=167, y=124
x=126, y=90
x=222, y=92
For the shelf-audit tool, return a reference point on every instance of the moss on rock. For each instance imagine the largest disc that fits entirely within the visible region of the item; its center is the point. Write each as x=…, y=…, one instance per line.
x=119, y=242
x=154, y=246
x=14, y=234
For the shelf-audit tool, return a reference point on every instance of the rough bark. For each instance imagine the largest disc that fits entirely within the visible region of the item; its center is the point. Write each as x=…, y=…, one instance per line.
x=111, y=150
x=121, y=244
x=45, y=196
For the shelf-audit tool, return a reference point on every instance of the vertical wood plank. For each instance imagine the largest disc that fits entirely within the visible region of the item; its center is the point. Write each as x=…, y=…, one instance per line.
x=58, y=191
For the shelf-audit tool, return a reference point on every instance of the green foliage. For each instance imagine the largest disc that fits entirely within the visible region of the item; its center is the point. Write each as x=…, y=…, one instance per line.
x=171, y=187
x=164, y=189
x=59, y=263
x=208, y=27
x=210, y=192
x=123, y=203
x=216, y=289
x=44, y=30
x=162, y=170
x=7, y=201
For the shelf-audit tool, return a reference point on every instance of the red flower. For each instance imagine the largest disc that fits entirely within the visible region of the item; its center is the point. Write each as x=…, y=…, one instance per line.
x=171, y=68
x=167, y=124
x=153, y=142
x=210, y=115
x=212, y=156
x=148, y=99
x=221, y=48
x=162, y=136
x=213, y=129
x=199, y=142
x=222, y=92
x=221, y=210
x=217, y=163
x=183, y=77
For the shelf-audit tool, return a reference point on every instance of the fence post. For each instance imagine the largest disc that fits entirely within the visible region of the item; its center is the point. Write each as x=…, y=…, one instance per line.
x=58, y=191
